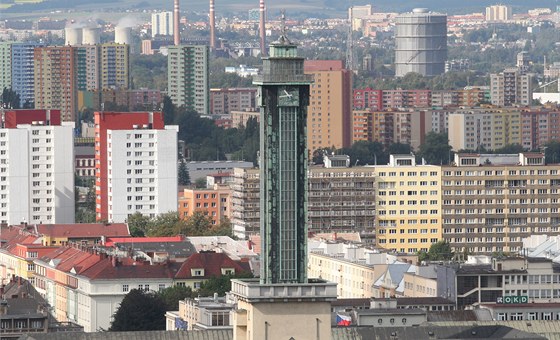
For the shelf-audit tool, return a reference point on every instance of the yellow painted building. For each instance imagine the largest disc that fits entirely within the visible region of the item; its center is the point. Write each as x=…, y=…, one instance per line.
x=408, y=205
x=419, y=286
x=354, y=279
x=506, y=128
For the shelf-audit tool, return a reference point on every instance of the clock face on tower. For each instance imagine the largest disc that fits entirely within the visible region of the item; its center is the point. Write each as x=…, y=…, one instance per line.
x=288, y=96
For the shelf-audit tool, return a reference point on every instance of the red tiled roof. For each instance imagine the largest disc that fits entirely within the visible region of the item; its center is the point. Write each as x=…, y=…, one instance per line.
x=104, y=270
x=100, y=267
x=110, y=241
x=13, y=238
x=85, y=230
x=211, y=262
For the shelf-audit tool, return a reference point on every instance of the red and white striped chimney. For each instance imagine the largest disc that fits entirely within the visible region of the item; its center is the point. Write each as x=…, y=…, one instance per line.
x=262, y=28
x=176, y=19
x=212, y=26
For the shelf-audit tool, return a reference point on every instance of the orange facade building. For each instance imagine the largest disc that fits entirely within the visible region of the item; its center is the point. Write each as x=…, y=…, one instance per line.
x=329, y=118
x=216, y=203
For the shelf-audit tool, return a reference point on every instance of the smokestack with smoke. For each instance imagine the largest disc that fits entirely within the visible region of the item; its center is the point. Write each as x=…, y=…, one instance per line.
x=176, y=18
x=212, y=26
x=262, y=28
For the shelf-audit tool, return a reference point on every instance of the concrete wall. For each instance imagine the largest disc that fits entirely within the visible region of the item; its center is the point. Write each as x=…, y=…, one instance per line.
x=300, y=320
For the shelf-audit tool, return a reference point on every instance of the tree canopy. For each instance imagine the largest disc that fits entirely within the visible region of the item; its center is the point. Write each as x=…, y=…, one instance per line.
x=170, y=224
x=206, y=141
x=440, y=251
x=172, y=295
x=220, y=285
x=436, y=149
x=139, y=311
x=183, y=174
x=10, y=99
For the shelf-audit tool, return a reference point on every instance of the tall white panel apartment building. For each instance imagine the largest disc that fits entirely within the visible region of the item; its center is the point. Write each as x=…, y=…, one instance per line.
x=136, y=158
x=36, y=168
x=162, y=24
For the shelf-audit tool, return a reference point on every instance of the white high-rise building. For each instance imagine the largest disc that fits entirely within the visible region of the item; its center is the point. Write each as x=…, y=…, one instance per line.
x=36, y=168
x=498, y=13
x=137, y=171
x=162, y=23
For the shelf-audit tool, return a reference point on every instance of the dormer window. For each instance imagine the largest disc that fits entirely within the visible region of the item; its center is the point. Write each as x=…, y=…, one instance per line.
x=228, y=271
x=197, y=272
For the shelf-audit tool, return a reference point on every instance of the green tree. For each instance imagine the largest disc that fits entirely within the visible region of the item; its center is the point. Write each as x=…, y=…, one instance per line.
x=552, y=152
x=440, y=251
x=509, y=149
x=399, y=149
x=364, y=152
x=168, y=111
x=318, y=154
x=436, y=149
x=10, y=99
x=168, y=224
x=149, y=71
x=139, y=311
x=220, y=284
x=200, y=183
x=183, y=174
x=198, y=224
x=85, y=211
x=224, y=228
x=138, y=224
x=172, y=295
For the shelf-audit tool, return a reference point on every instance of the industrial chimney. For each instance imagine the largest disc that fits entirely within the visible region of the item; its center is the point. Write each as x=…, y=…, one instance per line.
x=262, y=29
x=176, y=18
x=212, y=26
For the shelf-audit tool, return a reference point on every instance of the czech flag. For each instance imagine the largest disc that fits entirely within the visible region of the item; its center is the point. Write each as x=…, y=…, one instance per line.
x=343, y=320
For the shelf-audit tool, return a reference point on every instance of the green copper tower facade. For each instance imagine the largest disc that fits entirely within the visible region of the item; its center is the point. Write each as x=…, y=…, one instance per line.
x=283, y=98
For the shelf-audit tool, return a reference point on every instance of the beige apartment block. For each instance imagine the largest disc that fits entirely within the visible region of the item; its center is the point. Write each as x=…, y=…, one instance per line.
x=408, y=207
x=354, y=279
x=491, y=202
x=416, y=285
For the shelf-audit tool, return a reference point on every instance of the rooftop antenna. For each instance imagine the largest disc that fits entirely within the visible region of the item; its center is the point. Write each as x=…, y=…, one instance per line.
x=283, y=22
x=283, y=37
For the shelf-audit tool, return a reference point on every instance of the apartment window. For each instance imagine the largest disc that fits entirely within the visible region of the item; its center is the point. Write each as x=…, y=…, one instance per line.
x=516, y=316
x=125, y=288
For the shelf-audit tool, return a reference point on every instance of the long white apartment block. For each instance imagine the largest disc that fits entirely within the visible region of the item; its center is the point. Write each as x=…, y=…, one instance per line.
x=37, y=173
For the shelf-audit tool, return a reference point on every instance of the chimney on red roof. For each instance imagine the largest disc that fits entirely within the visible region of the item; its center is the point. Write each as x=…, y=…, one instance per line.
x=114, y=261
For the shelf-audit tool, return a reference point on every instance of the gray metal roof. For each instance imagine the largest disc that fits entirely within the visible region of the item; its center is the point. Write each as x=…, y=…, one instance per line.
x=426, y=332
x=549, y=329
x=150, y=335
